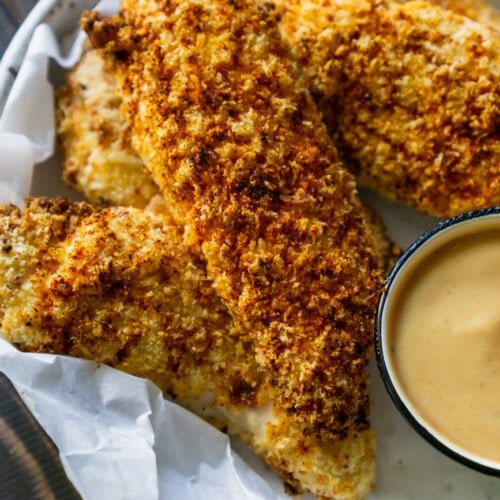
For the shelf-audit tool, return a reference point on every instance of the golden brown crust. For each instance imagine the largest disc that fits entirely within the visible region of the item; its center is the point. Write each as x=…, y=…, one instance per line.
x=234, y=141
x=98, y=157
x=107, y=169
x=388, y=251
x=411, y=93
x=118, y=286
x=477, y=10
x=27, y=235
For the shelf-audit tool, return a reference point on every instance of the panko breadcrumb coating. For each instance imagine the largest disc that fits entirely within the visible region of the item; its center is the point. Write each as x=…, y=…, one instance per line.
x=477, y=10
x=225, y=124
x=98, y=158
x=117, y=286
x=112, y=192
x=411, y=94
x=388, y=251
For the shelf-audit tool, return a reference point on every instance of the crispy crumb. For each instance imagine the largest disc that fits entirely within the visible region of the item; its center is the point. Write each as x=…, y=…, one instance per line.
x=477, y=10
x=113, y=182
x=117, y=285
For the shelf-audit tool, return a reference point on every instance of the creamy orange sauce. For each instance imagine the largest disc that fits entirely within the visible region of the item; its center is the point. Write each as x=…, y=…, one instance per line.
x=445, y=342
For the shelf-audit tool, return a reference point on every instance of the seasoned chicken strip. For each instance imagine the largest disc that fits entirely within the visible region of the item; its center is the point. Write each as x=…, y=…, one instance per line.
x=117, y=286
x=411, y=94
x=231, y=135
x=98, y=157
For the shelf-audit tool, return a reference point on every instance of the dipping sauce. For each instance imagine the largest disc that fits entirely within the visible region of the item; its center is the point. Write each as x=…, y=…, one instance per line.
x=444, y=341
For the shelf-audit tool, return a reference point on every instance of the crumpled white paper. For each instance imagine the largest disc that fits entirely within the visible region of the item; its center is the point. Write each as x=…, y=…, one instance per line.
x=17, y=158
x=118, y=438
x=27, y=124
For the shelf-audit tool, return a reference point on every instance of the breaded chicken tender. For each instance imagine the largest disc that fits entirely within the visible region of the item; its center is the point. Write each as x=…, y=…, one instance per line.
x=224, y=122
x=411, y=94
x=118, y=286
x=98, y=158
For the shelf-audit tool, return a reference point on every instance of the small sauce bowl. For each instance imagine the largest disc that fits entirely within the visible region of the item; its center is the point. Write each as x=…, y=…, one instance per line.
x=437, y=338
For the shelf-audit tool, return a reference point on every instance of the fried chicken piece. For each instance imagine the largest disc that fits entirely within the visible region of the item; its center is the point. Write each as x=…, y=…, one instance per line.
x=228, y=129
x=411, y=94
x=380, y=154
x=98, y=158
x=118, y=286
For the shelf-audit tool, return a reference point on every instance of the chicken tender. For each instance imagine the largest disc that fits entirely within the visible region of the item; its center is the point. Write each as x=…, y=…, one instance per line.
x=98, y=157
x=118, y=286
x=224, y=122
x=411, y=94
